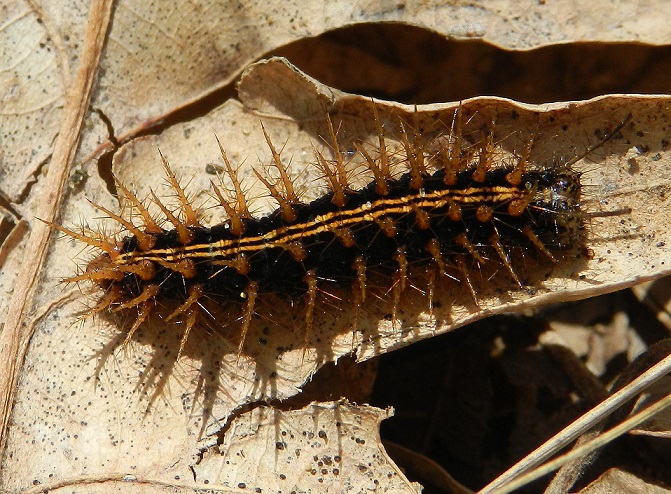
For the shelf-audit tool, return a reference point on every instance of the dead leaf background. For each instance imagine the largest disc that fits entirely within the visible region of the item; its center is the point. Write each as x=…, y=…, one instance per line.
x=85, y=413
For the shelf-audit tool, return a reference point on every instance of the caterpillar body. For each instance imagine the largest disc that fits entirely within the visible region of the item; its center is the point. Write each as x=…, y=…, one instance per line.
x=454, y=209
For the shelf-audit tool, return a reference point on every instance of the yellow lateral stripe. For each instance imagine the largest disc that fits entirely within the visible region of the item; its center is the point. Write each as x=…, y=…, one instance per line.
x=326, y=222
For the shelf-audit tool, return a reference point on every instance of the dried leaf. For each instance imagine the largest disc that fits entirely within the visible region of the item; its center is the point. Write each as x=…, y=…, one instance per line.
x=324, y=447
x=86, y=410
x=615, y=480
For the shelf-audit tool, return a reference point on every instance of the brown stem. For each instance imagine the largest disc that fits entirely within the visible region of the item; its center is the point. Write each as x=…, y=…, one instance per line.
x=18, y=329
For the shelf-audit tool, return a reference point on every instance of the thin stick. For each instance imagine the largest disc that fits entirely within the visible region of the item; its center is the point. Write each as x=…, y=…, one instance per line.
x=580, y=426
x=17, y=332
x=588, y=447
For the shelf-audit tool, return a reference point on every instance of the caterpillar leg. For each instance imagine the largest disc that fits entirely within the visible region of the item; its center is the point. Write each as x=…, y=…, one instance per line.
x=251, y=293
x=311, y=280
x=190, y=309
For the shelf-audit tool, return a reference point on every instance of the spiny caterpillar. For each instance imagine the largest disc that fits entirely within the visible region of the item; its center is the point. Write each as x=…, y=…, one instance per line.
x=456, y=208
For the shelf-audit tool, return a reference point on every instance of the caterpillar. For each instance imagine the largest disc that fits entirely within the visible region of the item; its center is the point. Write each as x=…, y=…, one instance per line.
x=457, y=208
